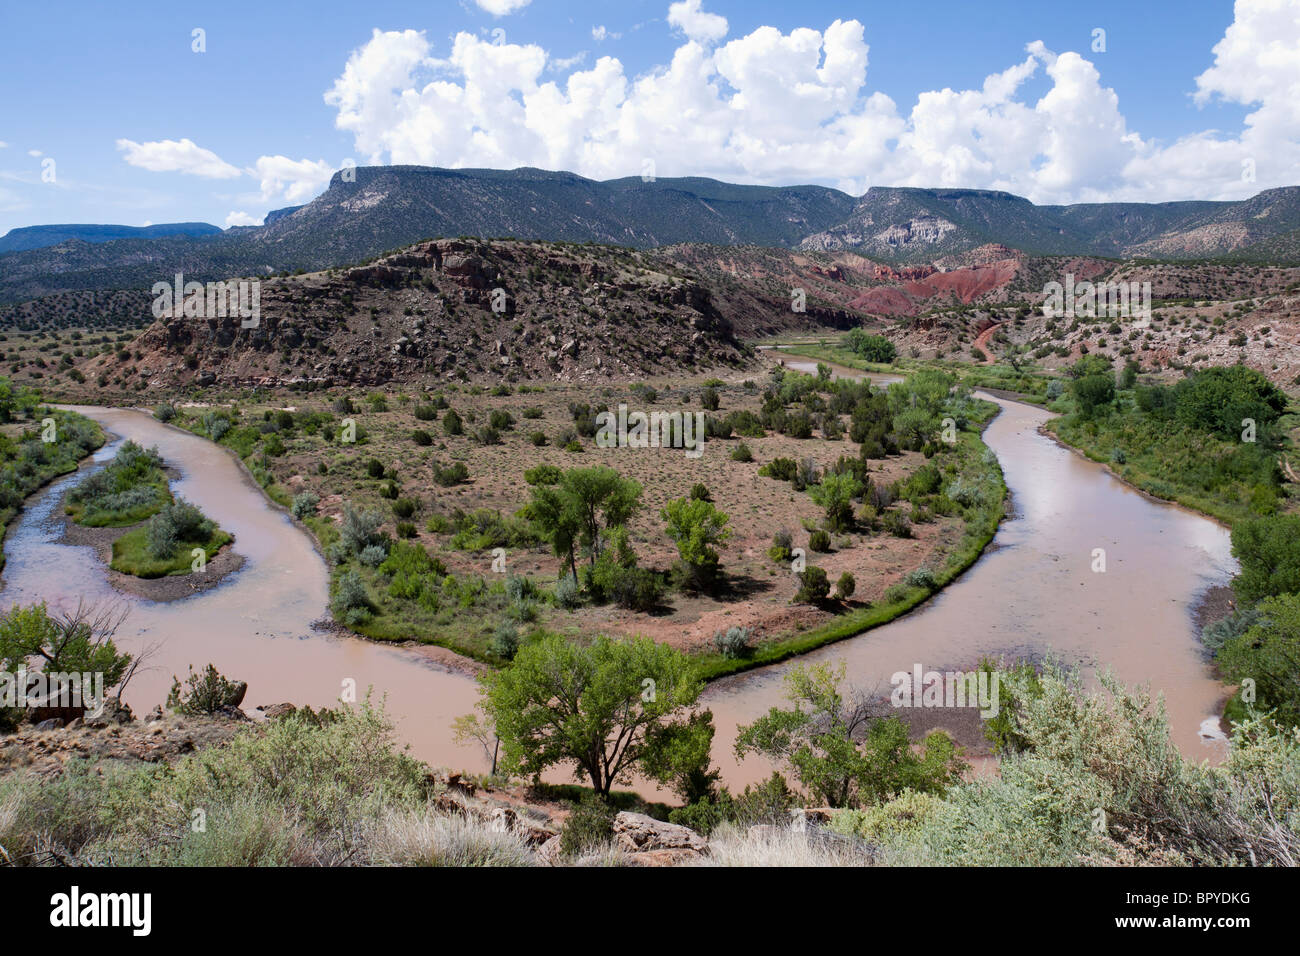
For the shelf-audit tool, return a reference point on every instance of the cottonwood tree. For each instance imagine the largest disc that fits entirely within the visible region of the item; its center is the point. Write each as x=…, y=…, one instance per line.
x=608, y=708
x=78, y=641
x=845, y=751
x=575, y=512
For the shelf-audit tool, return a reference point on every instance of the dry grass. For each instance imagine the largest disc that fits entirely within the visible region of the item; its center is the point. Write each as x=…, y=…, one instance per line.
x=779, y=846
x=426, y=838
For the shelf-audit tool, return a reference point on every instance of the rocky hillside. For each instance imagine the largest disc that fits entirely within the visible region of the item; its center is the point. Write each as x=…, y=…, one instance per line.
x=564, y=313
x=1203, y=315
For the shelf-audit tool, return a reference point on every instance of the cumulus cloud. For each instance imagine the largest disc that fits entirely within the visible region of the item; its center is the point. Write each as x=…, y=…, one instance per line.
x=296, y=180
x=695, y=23
x=501, y=8
x=779, y=107
x=177, y=156
x=238, y=218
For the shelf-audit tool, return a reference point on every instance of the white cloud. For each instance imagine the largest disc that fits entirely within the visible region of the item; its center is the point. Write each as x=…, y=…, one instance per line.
x=501, y=8
x=3, y=144
x=237, y=218
x=780, y=107
x=296, y=180
x=567, y=63
x=600, y=34
x=35, y=153
x=695, y=23
x=177, y=156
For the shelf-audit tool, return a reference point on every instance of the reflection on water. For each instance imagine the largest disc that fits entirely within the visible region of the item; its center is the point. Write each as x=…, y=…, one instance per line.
x=1034, y=590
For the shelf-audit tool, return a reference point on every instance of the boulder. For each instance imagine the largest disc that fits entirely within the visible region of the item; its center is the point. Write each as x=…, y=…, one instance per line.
x=508, y=819
x=548, y=854
x=114, y=712
x=636, y=832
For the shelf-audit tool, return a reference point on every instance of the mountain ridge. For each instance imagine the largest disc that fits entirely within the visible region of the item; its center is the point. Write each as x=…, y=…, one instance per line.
x=26, y=238
x=374, y=210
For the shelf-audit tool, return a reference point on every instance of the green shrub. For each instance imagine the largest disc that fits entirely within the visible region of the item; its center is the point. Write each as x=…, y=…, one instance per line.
x=814, y=586
x=782, y=546
x=589, y=827
x=205, y=693
x=542, y=475
x=567, y=592
x=350, y=592
x=734, y=642
x=782, y=469
x=452, y=424
x=304, y=504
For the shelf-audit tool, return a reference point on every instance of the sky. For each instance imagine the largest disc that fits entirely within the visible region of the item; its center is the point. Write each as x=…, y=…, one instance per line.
x=171, y=111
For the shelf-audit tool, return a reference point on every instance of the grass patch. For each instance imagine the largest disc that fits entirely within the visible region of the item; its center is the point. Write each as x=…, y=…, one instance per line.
x=129, y=489
x=131, y=554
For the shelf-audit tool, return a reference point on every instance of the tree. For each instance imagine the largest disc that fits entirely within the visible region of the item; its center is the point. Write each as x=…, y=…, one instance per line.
x=836, y=493
x=697, y=526
x=1089, y=365
x=601, y=498
x=1219, y=399
x=681, y=755
x=1015, y=356
x=576, y=510
x=79, y=641
x=916, y=405
x=846, y=752
x=873, y=348
x=1269, y=654
x=57, y=646
x=609, y=709
x=475, y=728
x=1093, y=393
x=1269, y=557
x=556, y=522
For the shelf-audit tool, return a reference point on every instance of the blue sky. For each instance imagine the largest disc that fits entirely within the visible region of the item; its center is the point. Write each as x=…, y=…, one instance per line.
x=141, y=128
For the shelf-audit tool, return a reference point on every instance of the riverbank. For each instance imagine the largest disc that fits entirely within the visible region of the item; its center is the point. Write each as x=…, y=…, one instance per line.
x=71, y=447
x=1225, y=507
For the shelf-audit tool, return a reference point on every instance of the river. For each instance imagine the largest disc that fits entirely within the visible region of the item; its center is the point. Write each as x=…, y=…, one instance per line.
x=1034, y=590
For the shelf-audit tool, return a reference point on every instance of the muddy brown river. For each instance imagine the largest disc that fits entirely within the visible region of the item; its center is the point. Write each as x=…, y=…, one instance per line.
x=1033, y=591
